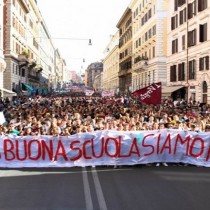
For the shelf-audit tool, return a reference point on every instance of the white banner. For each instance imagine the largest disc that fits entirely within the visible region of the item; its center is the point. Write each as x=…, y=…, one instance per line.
x=89, y=92
x=106, y=148
x=107, y=93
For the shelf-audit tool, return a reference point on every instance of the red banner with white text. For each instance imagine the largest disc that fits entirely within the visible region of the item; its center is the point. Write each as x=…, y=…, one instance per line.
x=150, y=94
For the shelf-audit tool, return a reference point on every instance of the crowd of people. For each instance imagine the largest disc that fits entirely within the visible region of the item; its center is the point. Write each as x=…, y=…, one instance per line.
x=68, y=115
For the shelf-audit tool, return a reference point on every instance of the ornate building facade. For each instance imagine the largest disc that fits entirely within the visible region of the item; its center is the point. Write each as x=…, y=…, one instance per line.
x=28, y=49
x=188, y=67
x=110, y=78
x=149, y=34
x=125, y=51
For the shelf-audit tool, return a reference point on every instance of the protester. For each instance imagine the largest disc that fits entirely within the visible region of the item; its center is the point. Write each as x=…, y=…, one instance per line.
x=51, y=115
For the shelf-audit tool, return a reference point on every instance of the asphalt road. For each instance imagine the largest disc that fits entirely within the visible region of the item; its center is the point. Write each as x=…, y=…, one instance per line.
x=106, y=188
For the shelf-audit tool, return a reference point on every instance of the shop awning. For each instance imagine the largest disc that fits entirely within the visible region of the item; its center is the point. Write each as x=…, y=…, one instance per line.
x=28, y=87
x=7, y=93
x=166, y=91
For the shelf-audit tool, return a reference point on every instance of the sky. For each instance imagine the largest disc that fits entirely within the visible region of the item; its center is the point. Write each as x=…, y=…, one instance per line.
x=71, y=23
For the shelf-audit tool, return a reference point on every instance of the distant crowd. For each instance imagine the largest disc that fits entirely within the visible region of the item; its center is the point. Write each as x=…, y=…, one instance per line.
x=64, y=115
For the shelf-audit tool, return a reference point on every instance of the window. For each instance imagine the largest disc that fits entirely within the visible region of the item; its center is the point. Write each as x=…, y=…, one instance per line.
x=149, y=13
x=203, y=32
x=183, y=42
x=181, y=73
x=181, y=2
x=204, y=63
x=139, y=41
x=136, y=43
x=205, y=87
x=182, y=16
x=202, y=5
x=175, y=46
x=13, y=86
x=145, y=18
x=154, y=30
x=13, y=22
x=191, y=9
x=13, y=69
x=153, y=52
x=174, y=22
x=142, y=21
x=146, y=37
x=31, y=23
x=175, y=5
x=191, y=69
x=23, y=72
x=173, y=73
x=192, y=38
x=150, y=33
x=16, y=70
x=205, y=91
x=126, y=52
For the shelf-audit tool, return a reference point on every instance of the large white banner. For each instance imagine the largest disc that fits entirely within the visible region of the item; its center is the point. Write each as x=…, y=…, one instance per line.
x=106, y=148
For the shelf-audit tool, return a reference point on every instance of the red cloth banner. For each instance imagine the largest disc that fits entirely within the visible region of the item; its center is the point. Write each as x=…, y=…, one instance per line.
x=150, y=94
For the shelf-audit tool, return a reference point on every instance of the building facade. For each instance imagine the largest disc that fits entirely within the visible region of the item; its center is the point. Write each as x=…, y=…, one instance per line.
x=188, y=67
x=125, y=51
x=149, y=34
x=28, y=49
x=2, y=61
x=110, y=80
x=97, y=84
x=74, y=77
x=93, y=70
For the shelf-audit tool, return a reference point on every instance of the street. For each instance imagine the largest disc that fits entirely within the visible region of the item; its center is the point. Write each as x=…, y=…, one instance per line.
x=105, y=188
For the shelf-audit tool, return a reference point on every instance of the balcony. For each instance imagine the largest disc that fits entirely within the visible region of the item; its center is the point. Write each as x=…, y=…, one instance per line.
x=38, y=68
x=124, y=72
x=140, y=64
x=23, y=57
x=32, y=63
x=33, y=78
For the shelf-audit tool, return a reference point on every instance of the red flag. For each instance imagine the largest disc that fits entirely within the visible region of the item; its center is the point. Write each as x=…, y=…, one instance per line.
x=150, y=94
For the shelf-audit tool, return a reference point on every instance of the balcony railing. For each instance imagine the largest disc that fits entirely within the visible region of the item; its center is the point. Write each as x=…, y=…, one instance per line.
x=140, y=66
x=34, y=78
x=124, y=72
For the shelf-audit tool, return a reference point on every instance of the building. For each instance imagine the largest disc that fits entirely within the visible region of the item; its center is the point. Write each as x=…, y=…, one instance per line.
x=2, y=62
x=46, y=59
x=110, y=80
x=97, y=84
x=93, y=70
x=29, y=52
x=188, y=65
x=125, y=51
x=74, y=77
x=149, y=46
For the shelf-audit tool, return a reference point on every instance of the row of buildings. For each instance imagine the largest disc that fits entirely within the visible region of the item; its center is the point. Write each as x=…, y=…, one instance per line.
x=161, y=41
x=29, y=60
x=156, y=40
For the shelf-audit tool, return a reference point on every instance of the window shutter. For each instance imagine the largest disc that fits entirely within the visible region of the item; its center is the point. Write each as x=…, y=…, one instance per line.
x=207, y=62
x=201, y=64
x=205, y=32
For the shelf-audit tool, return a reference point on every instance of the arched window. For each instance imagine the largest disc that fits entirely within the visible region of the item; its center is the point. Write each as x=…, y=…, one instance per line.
x=205, y=87
x=205, y=90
